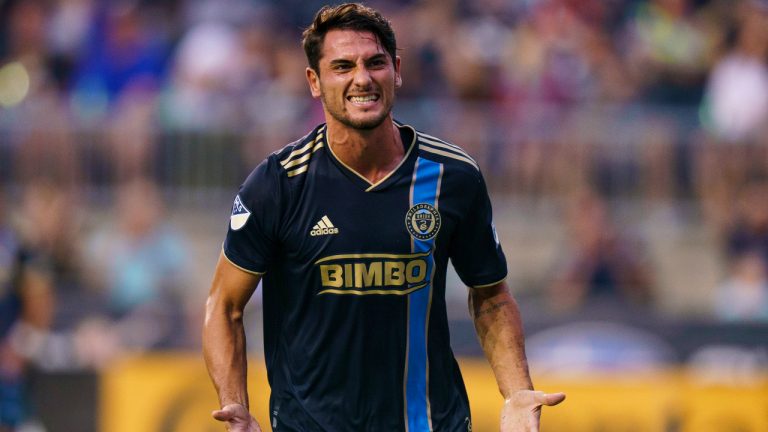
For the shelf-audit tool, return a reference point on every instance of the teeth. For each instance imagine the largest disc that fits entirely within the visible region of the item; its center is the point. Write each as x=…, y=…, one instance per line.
x=360, y=99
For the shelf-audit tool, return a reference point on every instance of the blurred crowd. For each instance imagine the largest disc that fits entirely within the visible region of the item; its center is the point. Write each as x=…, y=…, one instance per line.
x=515, y=81
x=110, y=108
x=578, y=101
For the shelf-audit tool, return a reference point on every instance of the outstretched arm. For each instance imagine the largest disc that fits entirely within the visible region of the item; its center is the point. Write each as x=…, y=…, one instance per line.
x=224, y=343
x=498, y=325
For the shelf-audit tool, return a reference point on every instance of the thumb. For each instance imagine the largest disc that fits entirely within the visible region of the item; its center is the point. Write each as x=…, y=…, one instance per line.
x=549, y=399
x=222, y=415
x=229, y=412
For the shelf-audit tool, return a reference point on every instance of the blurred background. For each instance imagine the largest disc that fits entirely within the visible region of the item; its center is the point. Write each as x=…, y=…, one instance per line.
x=625, y=144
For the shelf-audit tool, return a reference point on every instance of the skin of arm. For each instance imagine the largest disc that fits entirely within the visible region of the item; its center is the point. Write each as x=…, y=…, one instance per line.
x=224, y=336
x=500, y=330
x=497, y=321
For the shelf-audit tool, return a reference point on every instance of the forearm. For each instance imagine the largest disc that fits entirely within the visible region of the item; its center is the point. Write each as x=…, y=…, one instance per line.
x=499, y=328
x=224, y=349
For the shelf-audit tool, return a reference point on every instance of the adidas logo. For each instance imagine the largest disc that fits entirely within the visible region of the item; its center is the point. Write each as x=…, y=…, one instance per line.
x=323, y=227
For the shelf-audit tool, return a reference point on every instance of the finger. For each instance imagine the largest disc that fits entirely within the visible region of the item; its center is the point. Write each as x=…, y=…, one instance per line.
x=549, y=399
x=222, y=415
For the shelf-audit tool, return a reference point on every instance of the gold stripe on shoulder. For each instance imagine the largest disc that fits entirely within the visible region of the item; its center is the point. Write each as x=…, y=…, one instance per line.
x=302, y=160
x=430, y=138
x=447, y=146
x=298, y=161
x=427, y=148
x=296, y=153
x=298, y=171
x=302, y=150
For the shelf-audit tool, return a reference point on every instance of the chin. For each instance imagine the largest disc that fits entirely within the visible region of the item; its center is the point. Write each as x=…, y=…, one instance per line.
x=364, y=122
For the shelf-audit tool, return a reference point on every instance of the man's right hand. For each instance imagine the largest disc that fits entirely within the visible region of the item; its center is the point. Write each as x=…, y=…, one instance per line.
x=237, y=417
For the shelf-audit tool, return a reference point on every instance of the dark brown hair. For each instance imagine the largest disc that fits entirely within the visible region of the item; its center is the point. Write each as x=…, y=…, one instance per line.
x=347, y=16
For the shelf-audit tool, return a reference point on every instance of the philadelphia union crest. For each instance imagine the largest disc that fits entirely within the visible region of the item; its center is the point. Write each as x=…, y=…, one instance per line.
x=422, y=221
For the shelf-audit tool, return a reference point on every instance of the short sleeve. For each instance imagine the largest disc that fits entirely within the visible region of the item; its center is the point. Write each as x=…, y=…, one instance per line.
x=253, y=224
x=475, y=250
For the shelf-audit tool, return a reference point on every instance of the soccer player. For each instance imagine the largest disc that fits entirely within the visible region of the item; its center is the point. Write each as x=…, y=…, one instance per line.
x=350, y=229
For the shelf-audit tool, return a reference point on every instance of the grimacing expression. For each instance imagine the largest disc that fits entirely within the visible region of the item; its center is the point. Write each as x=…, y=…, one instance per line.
x=356, y=80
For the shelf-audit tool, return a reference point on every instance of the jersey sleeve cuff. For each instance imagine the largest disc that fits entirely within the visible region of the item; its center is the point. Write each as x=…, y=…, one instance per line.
x=241, y=264
x=483, y=284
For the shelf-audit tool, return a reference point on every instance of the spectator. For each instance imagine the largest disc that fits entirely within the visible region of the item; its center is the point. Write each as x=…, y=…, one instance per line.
x=34, y=149
x=68, y=26
x=601, y=265
x=50, y=222
x=743, y=296
x=207, y=76
x=669, y=51
x=748, y=230
x=140, y=262
x=125, y=51
x=735, y=116
x=26, y=309
x=737, y=92
x=542, y=94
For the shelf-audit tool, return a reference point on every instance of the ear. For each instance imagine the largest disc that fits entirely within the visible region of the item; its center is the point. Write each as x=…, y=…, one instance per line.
x=398, y=77
x=314, y=82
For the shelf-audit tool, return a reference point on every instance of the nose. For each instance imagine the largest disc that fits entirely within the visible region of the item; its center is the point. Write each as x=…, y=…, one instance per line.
x=362, y=77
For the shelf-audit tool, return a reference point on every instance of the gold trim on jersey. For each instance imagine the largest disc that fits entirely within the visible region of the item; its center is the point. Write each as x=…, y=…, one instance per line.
x=402, y=161
x=394, y=170
x=298, y=171
x=374, y=292
x=255, y=273
x=437, y=142
x=490, y=284
x=373, y=255
x=297, y=161
x=435, y=139
x=303, y=149
x=304, y=158
x=426, y=147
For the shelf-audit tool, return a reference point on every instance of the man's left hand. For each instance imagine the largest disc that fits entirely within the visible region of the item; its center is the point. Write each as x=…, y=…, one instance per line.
x=522, y=410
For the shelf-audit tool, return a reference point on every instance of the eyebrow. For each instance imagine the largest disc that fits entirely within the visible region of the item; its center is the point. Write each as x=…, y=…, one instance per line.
x=376, y=56
x=341, y=62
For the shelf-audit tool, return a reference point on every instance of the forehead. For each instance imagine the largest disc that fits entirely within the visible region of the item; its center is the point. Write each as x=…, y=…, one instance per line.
x=350, y=44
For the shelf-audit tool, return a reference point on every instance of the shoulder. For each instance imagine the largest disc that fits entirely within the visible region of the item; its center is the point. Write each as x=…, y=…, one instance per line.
x=294, y=159
x=283, y=169
x=455, y=160
x=290, y=161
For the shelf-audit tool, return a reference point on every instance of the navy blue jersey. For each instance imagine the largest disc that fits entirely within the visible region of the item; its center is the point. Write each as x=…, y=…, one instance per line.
x=355, y=326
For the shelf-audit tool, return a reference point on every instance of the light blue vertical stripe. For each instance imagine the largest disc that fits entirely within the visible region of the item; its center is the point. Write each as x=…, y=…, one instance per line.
x=425, y=190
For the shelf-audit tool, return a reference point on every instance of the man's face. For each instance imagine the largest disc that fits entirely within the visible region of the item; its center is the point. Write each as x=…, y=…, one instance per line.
x=357, y=79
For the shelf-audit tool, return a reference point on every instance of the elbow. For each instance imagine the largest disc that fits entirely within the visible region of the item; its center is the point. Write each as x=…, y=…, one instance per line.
x=489, y=301
x=217, y=308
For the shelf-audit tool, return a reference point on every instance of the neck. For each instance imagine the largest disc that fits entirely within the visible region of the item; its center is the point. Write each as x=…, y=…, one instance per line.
x=372, y=153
